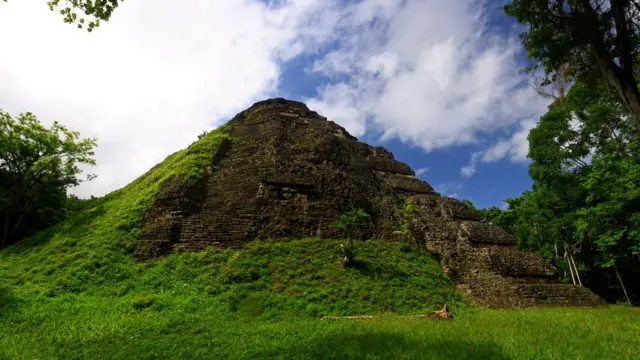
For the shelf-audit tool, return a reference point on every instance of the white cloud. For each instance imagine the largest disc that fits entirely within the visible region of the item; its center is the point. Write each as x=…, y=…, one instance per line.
x=421, y=171
x=449, y=189
x=428, y=73
x=515, y=148
x=470, y=169
x=150, y=80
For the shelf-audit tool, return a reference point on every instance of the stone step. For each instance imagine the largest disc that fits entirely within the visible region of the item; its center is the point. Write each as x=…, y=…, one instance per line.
x=513, y=262
x=482, y=233
x=534, y=280
x=444, y=207
x=557, y=295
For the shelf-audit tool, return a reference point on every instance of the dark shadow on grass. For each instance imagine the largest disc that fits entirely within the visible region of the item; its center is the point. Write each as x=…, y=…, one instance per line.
x=374, y=270
x=384, y=345
x=361, y=266
x=75, y=225
x=9, y=305
x=199, y=342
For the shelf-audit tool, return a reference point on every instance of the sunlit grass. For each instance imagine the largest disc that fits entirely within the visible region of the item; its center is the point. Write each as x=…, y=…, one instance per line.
x=74, y=292
x=99, y=328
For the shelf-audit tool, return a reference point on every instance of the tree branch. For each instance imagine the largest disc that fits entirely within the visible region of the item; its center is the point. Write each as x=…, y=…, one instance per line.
x=623, y=39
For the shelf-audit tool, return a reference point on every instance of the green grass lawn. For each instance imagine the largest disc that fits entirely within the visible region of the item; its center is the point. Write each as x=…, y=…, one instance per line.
x=266, y=301
x=91, y=328
x=74, y=292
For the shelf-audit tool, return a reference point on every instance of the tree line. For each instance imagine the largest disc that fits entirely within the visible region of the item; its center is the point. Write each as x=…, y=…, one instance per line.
x=583, y=210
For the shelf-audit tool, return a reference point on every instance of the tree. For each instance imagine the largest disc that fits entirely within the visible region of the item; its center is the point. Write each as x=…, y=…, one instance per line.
x=350, y=223
x=407, y=213
x=94, y=11
x=611, y=216
x=583, y=210
x=37, y=166
x=583, y=38
x=493, y=215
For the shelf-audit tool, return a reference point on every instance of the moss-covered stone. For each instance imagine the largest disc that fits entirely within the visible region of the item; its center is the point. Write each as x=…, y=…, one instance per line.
x=283, y=171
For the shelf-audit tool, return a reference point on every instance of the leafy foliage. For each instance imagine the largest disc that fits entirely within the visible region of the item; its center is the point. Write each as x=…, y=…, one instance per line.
x=350, y=224
x=611, y=217
x=37, y=166
x=92, y=12
x=585, y=199
x=584, y=40
x=407, y=214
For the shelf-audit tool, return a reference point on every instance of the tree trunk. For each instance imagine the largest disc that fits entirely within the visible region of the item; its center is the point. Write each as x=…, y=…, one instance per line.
x=627, y=89
x=573, y=279
x=615, y=267
x=5, y=231
x=576, y=269
x=17, y=225
x=25, y=211
x=621, y=79
x=566, y=256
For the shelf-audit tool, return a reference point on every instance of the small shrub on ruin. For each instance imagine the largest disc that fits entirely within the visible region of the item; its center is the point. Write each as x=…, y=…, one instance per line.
x=407, y=214
x=350, y=224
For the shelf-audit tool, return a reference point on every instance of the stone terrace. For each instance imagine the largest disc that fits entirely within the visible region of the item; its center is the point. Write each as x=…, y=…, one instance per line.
x=288, y=172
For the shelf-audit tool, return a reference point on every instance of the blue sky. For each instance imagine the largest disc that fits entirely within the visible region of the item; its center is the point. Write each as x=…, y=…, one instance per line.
x=490, y=184
x=440, y=83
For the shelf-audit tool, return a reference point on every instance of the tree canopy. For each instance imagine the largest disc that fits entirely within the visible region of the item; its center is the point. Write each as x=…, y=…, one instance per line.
x=583, y=211
x=584, y=39
x=37, y=166
x=84, y=13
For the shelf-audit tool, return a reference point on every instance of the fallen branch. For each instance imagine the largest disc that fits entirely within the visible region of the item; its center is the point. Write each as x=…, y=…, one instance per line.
x=368, y=317
x=443, y=313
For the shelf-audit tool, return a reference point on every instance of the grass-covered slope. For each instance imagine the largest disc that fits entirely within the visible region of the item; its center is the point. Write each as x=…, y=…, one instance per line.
x=74, y=292
x=267, y=280
x=87, y=259
x=92, y=248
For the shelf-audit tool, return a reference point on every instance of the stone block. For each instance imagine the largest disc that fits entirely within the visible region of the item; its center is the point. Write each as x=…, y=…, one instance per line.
x=482, y=233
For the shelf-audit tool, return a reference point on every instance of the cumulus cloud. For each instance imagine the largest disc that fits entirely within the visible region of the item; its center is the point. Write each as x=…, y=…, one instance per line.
x=515, y=148
x=149, y=81
x=470, y=169
x=426, y=72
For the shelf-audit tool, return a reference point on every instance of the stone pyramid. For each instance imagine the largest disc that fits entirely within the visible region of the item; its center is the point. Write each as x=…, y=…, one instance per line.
x=287, y=172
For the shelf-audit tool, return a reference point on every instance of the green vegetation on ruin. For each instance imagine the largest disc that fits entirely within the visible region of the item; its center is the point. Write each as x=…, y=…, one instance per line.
x=77, y=280
x=74, y=292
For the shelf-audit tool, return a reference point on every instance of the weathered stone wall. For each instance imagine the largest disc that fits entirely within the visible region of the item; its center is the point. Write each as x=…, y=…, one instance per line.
x=288, y=172
x=285, y=172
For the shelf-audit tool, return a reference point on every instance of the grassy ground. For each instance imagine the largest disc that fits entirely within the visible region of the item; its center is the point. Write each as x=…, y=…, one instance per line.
x=74, y=292
x=88, y=328
x=266, y=302
x=265, y=280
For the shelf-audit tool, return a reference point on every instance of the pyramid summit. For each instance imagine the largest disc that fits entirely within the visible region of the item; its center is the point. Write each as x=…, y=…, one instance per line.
x=282, y=171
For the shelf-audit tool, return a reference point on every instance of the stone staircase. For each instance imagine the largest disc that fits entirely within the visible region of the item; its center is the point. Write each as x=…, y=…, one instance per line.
x=485, y=263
